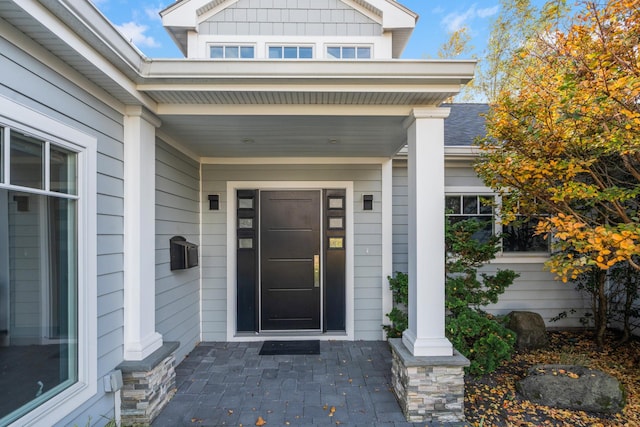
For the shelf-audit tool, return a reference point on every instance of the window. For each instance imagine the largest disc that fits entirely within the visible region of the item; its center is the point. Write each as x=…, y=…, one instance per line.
x=479, y=208
x=231, y=52
x=46, y=256
x=517, y=237
x=290, y=52
x=349, y=52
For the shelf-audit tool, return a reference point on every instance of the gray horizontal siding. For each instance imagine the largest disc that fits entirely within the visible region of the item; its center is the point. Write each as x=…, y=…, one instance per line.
x=535, y=289
x=367, y=238
x=177, y=213
x=290, y=18
x=33, y=84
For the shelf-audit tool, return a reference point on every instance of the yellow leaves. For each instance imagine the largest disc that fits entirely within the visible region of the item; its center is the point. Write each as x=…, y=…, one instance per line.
x=260, y=422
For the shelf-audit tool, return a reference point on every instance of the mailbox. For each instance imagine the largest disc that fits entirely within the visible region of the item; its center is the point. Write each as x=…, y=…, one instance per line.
x=183, y=254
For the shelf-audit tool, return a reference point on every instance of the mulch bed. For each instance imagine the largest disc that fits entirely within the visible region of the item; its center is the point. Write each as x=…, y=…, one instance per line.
x=491, y=400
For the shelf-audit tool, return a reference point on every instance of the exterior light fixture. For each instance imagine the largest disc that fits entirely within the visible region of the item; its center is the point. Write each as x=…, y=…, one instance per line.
x=367, y=202
x=214, y=202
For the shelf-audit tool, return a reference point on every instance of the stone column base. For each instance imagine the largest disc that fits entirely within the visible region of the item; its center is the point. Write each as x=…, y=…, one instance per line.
x=429, y=389
x=148, y=385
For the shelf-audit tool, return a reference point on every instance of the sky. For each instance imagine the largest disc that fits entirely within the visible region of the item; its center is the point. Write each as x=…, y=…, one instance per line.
x=139, y=20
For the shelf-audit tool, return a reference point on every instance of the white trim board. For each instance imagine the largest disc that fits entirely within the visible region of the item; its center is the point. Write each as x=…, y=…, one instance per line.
x=232, y=187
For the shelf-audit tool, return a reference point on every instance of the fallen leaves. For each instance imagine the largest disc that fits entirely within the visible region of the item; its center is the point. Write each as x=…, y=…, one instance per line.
x=492, y=400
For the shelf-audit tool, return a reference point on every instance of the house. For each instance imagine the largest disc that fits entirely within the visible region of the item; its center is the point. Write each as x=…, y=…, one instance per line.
x=147, y=205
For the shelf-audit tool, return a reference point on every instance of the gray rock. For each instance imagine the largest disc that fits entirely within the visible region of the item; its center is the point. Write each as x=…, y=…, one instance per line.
x=572, y=387
x=529, y=328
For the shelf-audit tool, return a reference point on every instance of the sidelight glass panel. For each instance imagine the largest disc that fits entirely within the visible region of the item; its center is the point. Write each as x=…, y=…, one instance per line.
x=39, y=355
x=27, y=165
x=1, y=154
x=245, y=223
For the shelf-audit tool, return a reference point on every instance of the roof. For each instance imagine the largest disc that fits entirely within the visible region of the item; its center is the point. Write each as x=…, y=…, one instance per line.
x=465, y=123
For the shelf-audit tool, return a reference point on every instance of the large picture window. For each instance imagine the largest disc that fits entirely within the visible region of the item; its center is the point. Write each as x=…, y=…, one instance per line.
x=43, y=308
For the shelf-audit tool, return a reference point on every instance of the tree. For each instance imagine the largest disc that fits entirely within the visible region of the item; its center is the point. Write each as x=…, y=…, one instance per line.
x=518, y=22
x=566, y=141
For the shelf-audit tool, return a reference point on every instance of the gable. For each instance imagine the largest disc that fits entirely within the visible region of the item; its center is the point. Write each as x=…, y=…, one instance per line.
x=346, y=17
x=289, y=18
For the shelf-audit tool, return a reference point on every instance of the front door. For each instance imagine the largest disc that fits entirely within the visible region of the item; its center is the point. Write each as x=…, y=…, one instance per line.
x=290, y=279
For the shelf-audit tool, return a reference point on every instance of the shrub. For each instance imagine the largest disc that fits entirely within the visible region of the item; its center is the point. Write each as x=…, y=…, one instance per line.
x=474, y=333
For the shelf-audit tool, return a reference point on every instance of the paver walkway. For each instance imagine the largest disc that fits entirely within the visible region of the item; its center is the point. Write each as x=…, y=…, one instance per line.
x=229, y=384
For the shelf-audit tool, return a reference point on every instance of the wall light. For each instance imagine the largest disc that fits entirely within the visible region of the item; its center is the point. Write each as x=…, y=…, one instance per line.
x=367, y=202
x=214, y=202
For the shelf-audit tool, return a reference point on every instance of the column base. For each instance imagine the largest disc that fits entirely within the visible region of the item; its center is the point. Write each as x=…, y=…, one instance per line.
x=429, y=389
x=148, y=385
x=426, y=347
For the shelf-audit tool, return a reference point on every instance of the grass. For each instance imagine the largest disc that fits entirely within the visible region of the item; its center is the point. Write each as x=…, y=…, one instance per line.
x=491, y=400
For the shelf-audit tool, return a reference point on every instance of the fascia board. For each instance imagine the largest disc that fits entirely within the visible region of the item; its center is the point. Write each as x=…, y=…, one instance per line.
x=199, y=71
x=86, y=31
x=461, y=152
x=394, y=15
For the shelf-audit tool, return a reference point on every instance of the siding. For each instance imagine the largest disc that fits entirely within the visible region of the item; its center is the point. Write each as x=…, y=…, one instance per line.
x=535, y=289
x=31, y=83
x=290, y=18
x=177, y=213
x=367, y=239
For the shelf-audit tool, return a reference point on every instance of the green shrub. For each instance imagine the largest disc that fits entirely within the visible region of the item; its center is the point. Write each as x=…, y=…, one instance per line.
x=478, y=336
x=399, y=285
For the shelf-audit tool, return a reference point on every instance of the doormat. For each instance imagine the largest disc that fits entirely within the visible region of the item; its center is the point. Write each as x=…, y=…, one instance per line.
x=275, y=348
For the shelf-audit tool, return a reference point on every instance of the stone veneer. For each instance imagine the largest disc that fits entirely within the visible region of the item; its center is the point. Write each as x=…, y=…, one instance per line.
x=429, y=389
x=148, y=385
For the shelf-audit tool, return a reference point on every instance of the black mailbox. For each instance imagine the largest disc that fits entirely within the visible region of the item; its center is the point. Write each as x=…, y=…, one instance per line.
x=183, y=254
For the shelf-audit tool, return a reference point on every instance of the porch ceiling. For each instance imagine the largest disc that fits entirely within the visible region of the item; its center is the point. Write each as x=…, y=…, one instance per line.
x=286, y=136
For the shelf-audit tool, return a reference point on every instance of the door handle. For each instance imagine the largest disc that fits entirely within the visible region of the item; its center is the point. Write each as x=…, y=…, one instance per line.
x=316, y=271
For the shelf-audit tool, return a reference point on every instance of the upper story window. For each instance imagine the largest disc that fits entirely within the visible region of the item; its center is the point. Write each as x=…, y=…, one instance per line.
x=349, y=52
x=290, y=52
x=231, y=52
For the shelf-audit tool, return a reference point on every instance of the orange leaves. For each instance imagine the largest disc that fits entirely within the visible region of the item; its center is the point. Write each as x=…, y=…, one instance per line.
x=586, y=245
x=492, y=400
x=568, y=137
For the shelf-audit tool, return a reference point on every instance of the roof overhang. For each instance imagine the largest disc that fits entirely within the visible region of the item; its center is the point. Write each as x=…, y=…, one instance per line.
x=288, y=108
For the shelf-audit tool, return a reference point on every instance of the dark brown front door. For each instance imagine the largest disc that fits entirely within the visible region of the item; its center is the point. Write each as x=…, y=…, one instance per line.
x=290, y=260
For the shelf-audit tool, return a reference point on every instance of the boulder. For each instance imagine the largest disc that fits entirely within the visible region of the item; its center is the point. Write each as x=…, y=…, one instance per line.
x=529, y=328
x=572, y=387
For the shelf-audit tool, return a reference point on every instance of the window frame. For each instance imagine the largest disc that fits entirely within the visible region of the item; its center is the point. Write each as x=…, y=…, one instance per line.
x=282, y=48
x=228, y=45
x=30, y=122
x=501, y=255
x=342, y=46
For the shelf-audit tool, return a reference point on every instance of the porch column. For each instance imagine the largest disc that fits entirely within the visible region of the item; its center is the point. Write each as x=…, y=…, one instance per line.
x=425, y=136
x=140, y=336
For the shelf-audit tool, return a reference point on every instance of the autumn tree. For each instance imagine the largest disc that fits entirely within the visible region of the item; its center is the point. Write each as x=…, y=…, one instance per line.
x=565, y=141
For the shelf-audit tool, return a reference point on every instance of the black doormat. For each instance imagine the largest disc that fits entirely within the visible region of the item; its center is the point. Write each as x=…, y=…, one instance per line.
x=274, y=348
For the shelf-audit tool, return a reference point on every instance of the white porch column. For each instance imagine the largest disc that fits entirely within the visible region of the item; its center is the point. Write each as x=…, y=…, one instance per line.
x=425, y=136
x=140, y=336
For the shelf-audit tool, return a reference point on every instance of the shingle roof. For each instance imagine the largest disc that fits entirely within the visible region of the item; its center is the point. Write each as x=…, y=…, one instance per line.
x=464, y=124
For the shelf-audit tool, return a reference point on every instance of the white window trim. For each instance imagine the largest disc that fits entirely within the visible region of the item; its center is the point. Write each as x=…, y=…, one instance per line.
x=501, y=257
x=354, y=45
x=231, y=44
x=296, y=45
x=25, y=119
